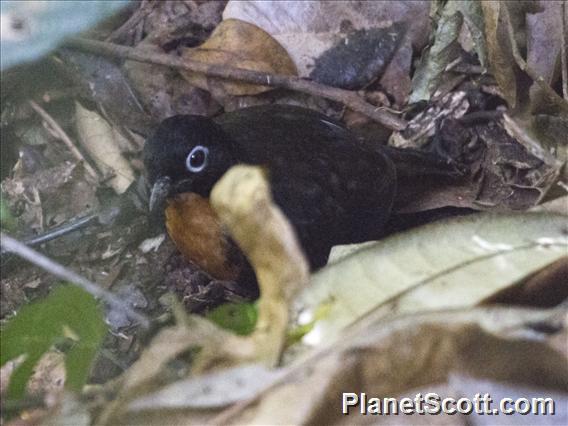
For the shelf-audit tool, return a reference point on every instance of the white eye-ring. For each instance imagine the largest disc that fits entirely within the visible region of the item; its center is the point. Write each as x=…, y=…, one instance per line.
x=197, y=159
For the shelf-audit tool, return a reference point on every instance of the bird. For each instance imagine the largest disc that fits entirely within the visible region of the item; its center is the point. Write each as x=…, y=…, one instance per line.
x=331, y=187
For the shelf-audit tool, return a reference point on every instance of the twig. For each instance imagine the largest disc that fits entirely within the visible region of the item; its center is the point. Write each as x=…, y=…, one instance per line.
x=145, y=8
x=12, y=245
x=464, y=68
x=564, y=50
x=59, y=231
x=64, y=138
x=351, y=99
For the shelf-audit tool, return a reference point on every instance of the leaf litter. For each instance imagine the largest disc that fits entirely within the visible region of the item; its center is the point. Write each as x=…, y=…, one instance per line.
x=433, y=288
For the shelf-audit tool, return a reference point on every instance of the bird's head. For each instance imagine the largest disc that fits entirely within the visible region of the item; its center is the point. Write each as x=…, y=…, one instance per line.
x=187, y=153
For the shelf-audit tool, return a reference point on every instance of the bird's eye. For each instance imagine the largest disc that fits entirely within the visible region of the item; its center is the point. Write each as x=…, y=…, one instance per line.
x=196, y=160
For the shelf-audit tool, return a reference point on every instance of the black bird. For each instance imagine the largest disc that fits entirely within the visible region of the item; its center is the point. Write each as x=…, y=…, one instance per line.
x=333, y=188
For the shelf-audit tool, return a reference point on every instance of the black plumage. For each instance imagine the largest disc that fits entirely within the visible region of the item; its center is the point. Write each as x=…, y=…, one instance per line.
x=333, y=189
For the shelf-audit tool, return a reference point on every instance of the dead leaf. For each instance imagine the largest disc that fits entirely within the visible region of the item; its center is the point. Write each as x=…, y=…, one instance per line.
x=444, y=50
x=396, y=78
x=544, y=288
x=507, y=34
x=499, y=50
x=242, y=45
x=397, y=357
x=454, y=263
x=307, y=29
x=163, y=91
x=422, y=127
x=210, y=391
x=103, y=143
x=50, y=196
x=150, y=370
x=558, y=205
x=103, y=81
x=544, y=38
x=359, y=59
x=243, y=201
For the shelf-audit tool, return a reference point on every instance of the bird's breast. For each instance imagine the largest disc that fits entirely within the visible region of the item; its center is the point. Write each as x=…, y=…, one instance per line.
x=198, y=234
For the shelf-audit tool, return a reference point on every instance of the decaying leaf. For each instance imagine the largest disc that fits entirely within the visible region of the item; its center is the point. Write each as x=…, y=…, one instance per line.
x=163, y=91
x=210, y=391
x=544, y=38
x=454, y=263
x=243, y=201
x=405, y=355
x=543, y=288
x=103, y=81
x=542, y=136
x=514, y=27
x=499, y=51
x=243, y=45
x=444, y=50
x=356, y=61
x=38, y=207
x=103, y=143
x=307, y=29
x=422, y=127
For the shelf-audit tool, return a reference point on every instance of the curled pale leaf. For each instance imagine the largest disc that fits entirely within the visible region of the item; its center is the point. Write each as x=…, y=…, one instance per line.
x=103, y=144
x=243, y=201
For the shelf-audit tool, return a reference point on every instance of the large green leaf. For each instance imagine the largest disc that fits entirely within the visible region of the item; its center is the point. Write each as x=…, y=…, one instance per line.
x=67, y=311
x=450, y=264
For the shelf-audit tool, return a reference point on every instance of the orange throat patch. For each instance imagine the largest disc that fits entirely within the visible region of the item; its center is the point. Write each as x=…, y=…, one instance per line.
x=197, y=233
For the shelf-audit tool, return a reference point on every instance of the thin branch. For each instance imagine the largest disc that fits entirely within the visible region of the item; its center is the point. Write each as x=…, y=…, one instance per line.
x=348, y=98
x=144, y=10
x=61, y=230
x=14, y=246
x=64, y=138
x=564, y=51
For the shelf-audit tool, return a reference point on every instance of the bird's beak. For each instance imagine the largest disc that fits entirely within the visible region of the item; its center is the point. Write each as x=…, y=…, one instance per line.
x=160, y=192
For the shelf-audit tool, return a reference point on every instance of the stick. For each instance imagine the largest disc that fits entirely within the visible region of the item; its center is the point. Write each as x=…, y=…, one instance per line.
x=64, y=138
x=564, y=50
x=12, y=245
x=346, y=97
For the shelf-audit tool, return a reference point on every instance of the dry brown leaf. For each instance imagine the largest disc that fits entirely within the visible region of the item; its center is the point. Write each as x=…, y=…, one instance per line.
x=499, y=50
x=163, y=91
x=308, y=28
x=393, y=358
x=242, y=45
x=544, y=37
x=51, y=196
x=103, y=144
x=544, y=288
x=243, y=201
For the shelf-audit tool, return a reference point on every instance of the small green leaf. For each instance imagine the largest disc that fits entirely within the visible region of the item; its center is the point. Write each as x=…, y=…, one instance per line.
x=68, y=310
x=237, y=317
x=7, y=221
